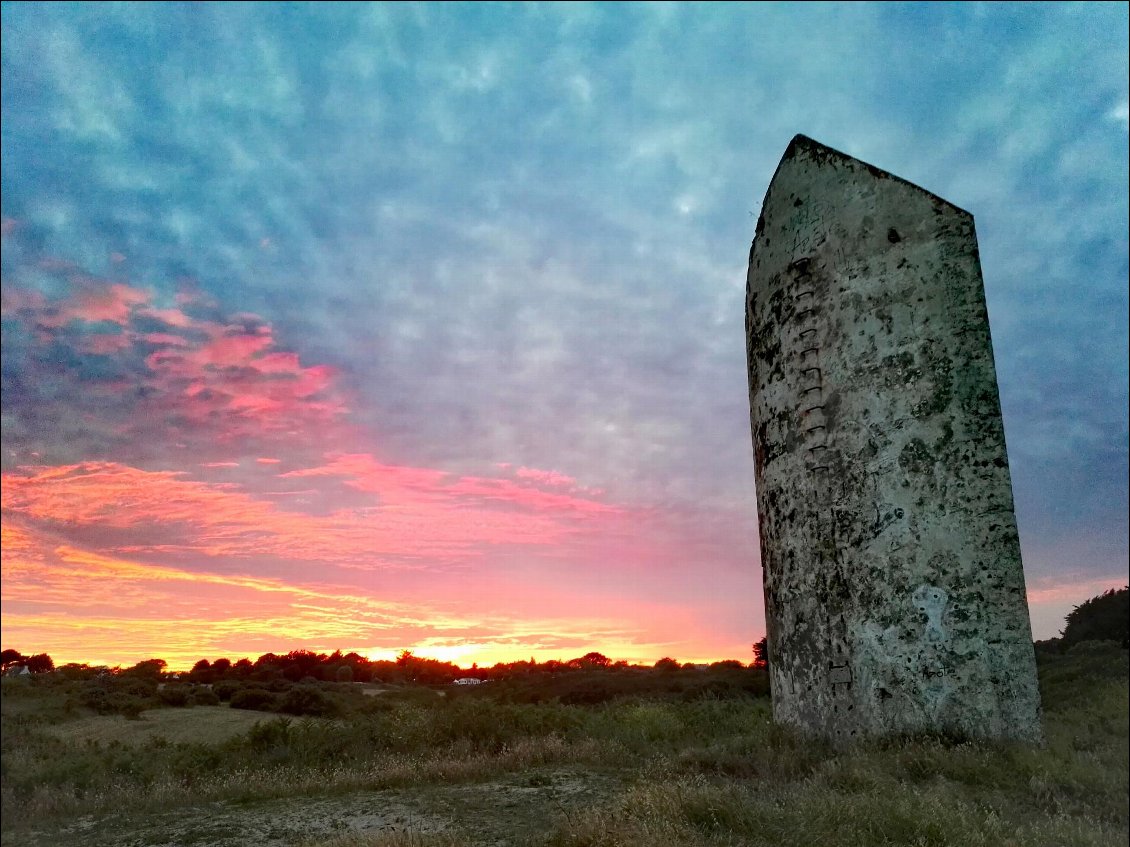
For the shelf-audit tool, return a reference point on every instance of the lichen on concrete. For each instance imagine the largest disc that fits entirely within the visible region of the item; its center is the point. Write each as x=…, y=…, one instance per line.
x=894, y=588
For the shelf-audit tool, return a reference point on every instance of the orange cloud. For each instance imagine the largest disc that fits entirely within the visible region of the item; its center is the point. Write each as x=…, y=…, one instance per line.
x=82, y=605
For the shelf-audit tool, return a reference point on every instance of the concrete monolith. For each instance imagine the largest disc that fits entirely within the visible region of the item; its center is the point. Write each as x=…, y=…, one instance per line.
x=894, y=590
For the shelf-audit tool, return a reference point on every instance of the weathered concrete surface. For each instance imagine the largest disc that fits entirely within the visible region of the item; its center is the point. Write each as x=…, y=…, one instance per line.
x=894, y=590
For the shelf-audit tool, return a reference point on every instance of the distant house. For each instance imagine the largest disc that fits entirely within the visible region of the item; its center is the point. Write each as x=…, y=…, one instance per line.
x=17, y=670
x=467, y=680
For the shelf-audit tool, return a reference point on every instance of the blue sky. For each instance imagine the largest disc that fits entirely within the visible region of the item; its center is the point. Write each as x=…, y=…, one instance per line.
x=492, y=241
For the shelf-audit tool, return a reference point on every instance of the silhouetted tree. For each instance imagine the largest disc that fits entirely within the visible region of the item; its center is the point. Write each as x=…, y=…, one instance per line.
x=761, y=653
x=221, y=668
x=1102, y=618
x=148, y=669
x=242, y=668
x=201, y=672
x=39, y=663
x=425, y=671
x=299, y=664
x=11, y=657
x=76, y=670
x=667, y=664
x=268, y=667
x=595, y=660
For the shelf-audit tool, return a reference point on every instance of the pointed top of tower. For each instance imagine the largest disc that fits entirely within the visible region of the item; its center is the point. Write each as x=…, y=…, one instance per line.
x=804, y=147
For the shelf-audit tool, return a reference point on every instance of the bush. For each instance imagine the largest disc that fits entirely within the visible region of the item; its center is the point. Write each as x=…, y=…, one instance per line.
x=174, y=695
x=306, y=700
x=204, y=697
x=119, y=695
x=254, y=699
x=1102, y=618
x=225, y=690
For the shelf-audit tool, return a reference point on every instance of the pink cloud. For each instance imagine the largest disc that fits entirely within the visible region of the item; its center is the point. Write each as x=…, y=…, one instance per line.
x=164, y=339
x=94, y=301
x=171, y=317
x=98, y=301
x=363, y=472
x=234, y=349
x=104, y=344
x=222, y=381
x=15, y=300
x=420, y=513
x=1058, y=590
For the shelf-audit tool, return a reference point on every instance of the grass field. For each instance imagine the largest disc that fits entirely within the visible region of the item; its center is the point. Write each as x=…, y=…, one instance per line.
x=674, y=759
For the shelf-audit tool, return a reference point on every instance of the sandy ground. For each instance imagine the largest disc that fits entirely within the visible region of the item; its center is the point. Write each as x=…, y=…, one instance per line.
x=513, y=810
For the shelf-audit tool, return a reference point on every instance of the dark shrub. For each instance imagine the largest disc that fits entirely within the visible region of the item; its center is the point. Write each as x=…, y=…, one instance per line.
x=254, y=699
x=115, y=702
x=270, y=735
x=306, y=700
x=204, y=697
x=174, y=695
x=225, y=690
x=1049, y=646
x=1102, y=618
x=118, y=695
x=1068, y=679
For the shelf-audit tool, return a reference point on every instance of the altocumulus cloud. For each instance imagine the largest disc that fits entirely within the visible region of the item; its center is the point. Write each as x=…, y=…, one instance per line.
x=456, y=237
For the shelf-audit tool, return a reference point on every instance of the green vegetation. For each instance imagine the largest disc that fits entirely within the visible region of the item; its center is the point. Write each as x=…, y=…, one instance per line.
x=681, y=757
x=1102, y=618
x=290, y=750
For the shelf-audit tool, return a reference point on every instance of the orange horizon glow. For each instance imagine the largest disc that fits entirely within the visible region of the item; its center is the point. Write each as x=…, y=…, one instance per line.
x=463, y=658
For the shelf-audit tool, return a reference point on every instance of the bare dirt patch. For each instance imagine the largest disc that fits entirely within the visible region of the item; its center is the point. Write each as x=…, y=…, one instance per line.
x=512, y=810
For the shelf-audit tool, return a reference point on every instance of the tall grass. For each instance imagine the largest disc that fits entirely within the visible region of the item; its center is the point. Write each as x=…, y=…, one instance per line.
x=700, y=765
x=775, y=789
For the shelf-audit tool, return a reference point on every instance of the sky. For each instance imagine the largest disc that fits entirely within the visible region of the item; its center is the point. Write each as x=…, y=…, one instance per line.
x=390, y=326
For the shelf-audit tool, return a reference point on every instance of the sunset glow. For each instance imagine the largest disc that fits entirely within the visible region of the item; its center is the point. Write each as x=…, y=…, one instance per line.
x=318, y=336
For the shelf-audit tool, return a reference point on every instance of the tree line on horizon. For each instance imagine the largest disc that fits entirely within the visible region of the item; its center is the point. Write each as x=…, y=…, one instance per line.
x=1105, y=617
x=299, y=665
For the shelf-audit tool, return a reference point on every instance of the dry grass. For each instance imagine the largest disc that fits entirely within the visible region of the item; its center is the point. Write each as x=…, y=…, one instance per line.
x=390, y=839
x=681, y=772
x=208, y=725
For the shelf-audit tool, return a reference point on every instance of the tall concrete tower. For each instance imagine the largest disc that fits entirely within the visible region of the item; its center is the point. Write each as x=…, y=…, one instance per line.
x=894, y=591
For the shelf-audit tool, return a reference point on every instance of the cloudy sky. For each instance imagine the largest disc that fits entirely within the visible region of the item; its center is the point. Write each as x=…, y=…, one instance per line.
x=394, y=326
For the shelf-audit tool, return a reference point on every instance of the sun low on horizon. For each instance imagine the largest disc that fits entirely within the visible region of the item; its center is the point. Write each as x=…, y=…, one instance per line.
x=384, y=327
